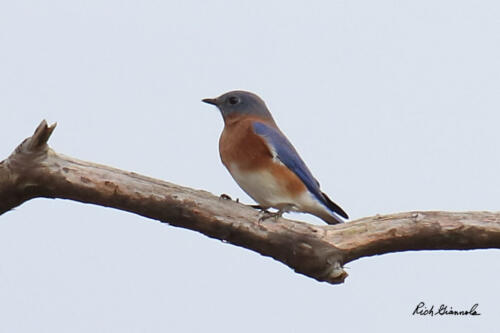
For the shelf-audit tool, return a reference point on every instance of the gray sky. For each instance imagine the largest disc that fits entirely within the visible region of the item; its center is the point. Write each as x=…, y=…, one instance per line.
x=393, y=105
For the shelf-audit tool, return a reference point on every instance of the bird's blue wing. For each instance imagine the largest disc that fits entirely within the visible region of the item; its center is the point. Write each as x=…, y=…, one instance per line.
x=287, y=154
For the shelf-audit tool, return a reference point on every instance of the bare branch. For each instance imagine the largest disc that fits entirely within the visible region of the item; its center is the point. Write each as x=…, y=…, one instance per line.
x=34, y=170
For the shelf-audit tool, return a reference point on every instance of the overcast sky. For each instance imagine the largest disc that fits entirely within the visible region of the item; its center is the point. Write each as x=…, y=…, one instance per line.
x=394, y=106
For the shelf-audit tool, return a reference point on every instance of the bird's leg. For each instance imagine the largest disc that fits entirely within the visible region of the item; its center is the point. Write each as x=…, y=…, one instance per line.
x=267, y=214
x=224, y=196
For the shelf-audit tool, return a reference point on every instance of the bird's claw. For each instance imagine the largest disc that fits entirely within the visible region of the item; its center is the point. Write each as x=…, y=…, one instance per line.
x=265, y=214
x=224, y=196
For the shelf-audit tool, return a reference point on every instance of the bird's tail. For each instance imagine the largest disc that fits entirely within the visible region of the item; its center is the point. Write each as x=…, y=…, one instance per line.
x=331, y=217
x=328, y=217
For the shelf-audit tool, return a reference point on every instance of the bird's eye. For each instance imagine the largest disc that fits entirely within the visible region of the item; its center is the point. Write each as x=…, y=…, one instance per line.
x=233, y=100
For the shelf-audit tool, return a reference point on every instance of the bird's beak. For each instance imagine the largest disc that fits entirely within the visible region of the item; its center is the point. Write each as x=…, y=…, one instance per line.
x=212, y=101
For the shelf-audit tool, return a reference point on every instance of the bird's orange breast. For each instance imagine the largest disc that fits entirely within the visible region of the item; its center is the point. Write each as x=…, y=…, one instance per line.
x=241, y=147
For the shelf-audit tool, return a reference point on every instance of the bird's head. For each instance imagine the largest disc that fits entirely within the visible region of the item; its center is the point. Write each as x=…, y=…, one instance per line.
x=240, y=103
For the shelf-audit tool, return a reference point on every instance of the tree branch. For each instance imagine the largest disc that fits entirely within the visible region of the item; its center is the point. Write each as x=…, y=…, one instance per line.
x=34, y=170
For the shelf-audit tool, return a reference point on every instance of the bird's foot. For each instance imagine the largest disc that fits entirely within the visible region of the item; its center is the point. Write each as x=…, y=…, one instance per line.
x=224, y=196
x=265, y=214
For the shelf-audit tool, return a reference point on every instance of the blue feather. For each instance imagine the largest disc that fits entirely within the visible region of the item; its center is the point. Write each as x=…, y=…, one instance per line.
x=287, y=154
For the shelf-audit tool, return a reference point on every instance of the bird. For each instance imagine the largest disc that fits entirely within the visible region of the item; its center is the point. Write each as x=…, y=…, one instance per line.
x=264, y=163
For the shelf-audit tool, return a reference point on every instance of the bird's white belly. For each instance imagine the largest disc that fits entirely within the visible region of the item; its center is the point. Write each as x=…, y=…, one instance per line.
x=268, y=192
x=262, y=187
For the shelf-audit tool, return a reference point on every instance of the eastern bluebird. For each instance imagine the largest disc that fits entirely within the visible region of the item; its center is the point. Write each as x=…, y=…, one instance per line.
x=264, y=163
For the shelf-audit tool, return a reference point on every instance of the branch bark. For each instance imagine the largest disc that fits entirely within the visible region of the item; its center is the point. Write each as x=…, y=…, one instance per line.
x=35, y=170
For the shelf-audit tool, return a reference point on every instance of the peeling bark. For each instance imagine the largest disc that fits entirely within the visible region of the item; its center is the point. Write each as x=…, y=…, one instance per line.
x=34, y=170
